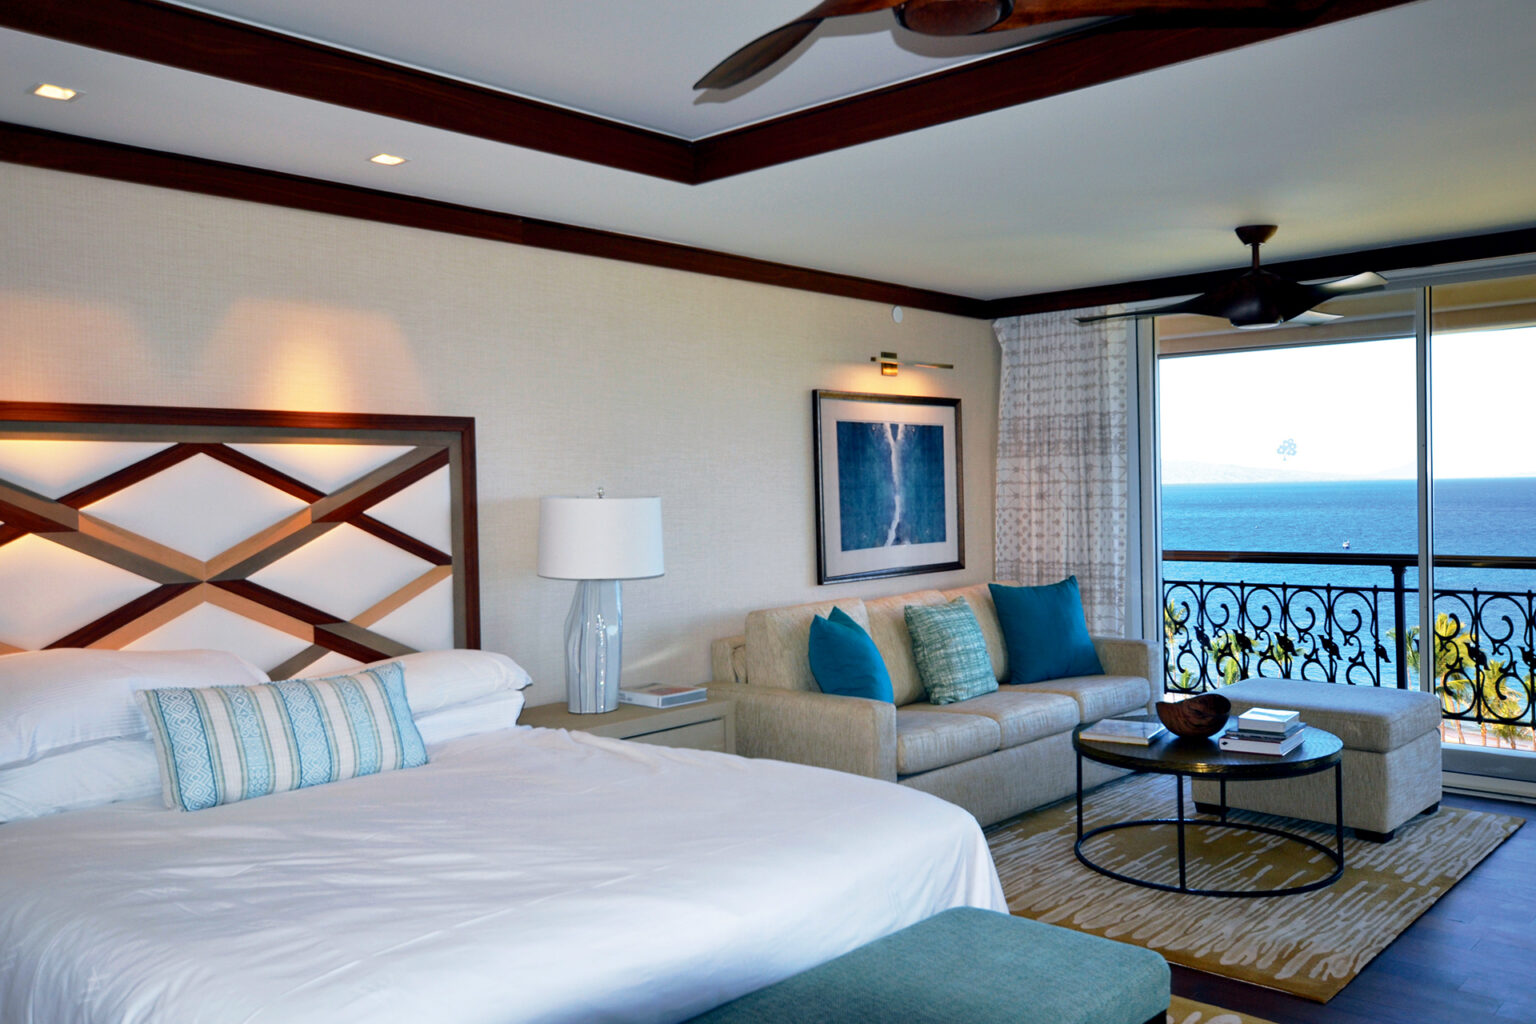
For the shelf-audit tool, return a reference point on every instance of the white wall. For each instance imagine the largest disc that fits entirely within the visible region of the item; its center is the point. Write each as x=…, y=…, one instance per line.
x=578, y=371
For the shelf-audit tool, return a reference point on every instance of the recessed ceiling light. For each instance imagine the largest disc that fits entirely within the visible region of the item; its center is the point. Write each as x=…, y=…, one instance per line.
x=54, y=92
x=387, y=159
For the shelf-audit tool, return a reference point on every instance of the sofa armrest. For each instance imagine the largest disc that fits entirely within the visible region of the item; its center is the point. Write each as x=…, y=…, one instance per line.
x=847, y=734
x=1123, y=657
x=728, y=659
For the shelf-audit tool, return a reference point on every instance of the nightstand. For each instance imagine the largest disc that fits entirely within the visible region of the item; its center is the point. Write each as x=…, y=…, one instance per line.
x=707, y=725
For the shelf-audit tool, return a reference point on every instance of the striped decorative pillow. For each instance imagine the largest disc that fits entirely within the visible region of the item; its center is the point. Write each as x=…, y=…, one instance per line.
x=221, y=744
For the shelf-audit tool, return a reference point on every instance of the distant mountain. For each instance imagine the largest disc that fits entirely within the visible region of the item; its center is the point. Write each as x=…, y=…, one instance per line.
x=1179, y=471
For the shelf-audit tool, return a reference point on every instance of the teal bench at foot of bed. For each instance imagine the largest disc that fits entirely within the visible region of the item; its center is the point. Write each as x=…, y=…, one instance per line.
x=968, y=966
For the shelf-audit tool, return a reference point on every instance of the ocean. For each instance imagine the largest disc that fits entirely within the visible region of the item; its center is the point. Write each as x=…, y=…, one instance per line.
x=1472, y=517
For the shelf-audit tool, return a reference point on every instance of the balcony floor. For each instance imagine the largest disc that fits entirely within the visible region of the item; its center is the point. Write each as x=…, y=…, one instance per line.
x=1470, y=734
x=1466, y=961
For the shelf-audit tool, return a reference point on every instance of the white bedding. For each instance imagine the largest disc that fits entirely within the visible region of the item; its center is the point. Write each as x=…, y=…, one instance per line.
x=522, y=875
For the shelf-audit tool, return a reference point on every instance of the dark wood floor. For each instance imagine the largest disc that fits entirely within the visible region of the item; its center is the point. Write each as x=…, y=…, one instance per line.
x=1468, y=960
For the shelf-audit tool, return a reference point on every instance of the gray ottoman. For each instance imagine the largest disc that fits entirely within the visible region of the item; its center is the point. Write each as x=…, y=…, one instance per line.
x=971, y=966
x=1391, y=755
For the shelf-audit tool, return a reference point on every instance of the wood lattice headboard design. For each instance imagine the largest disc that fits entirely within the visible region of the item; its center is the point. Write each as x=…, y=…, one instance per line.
x=304, y=542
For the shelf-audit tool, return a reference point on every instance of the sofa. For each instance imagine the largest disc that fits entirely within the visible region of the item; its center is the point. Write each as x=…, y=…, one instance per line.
x=997, y=755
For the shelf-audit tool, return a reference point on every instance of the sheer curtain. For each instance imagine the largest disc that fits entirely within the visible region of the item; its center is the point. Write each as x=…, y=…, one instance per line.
x=1062, y=457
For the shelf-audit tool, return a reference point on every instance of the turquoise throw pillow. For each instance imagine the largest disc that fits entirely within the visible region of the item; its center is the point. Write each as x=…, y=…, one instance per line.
x=845, y=661
x=950, y=651
x=1045, y=632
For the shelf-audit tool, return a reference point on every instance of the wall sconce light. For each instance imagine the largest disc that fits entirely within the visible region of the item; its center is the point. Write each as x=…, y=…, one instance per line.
x=890, y=365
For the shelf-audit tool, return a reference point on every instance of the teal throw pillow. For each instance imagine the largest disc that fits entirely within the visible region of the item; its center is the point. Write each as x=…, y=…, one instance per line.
x=845, y=661
x=950, y=651
x=1045, y=632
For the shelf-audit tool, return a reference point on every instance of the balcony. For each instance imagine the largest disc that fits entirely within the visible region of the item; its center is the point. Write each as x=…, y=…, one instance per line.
x=1484, y=640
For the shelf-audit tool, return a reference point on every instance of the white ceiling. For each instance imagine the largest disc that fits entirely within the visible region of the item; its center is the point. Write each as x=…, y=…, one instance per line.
x=1412, y=124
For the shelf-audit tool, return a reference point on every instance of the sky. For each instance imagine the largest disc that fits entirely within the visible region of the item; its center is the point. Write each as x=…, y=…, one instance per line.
x=1347, y=411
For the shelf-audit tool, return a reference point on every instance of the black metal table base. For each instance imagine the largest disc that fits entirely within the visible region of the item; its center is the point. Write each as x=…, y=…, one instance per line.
x=1336, y=855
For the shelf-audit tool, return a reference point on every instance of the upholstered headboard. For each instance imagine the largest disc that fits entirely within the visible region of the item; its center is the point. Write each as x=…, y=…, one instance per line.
x=304, y=542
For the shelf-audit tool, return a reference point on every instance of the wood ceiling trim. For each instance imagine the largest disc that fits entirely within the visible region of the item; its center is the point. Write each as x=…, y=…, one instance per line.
x=54, y=151
x=210, y=45
x=1093, y=56
x=195, y=41
x=35, y=147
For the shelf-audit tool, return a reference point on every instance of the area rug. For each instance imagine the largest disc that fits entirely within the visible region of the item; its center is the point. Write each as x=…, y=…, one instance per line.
x=1309, y=945
x=1187, y=1011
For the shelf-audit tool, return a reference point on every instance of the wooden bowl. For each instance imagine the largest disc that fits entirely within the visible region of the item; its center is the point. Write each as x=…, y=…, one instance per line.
x=1197, y=718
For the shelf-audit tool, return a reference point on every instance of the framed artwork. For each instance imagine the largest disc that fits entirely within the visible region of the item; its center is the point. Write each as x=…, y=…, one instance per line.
x=888, y=485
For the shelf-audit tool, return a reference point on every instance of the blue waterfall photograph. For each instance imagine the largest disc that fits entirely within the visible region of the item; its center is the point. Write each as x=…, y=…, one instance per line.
x=890, y=484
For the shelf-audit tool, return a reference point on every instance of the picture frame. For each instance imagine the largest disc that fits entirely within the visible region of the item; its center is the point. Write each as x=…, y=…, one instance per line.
x=889, y=485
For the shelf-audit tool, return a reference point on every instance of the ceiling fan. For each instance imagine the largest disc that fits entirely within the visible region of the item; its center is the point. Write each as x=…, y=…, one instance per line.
x=1257, y=298
x=971, y=17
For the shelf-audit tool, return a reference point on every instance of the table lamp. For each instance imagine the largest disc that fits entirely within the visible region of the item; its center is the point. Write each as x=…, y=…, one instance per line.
x=599, y=542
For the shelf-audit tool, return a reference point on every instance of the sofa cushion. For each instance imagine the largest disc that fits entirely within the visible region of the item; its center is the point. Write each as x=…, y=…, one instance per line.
x=888, y=629
x=1022, y=714
x=926, y=739
x=1097, y=696
x=1364, y=717
x=950, y=651
x=980, y=599
x=779, y=639
x=844, y=659
x=1046, y=633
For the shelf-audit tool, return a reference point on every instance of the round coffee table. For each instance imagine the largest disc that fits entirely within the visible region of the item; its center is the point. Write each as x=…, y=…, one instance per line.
x=1172, y=755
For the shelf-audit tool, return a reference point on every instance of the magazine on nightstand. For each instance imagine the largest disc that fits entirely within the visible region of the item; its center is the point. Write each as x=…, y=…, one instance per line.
x=662, y=695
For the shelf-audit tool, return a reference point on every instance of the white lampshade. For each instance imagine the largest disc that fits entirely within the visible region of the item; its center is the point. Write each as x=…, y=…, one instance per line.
x=600, y=538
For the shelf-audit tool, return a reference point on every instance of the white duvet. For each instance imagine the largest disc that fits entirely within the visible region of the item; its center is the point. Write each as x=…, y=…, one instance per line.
x=521, y=875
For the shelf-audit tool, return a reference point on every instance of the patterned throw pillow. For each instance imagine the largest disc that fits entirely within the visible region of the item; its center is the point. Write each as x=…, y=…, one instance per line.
x=221, y=744
x=950, y=651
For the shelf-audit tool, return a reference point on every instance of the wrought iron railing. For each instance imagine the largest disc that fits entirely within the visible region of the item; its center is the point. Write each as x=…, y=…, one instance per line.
x=1484, y=640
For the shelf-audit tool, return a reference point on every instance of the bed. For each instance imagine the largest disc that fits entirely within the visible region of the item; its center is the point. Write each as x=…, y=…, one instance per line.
x=519, y=875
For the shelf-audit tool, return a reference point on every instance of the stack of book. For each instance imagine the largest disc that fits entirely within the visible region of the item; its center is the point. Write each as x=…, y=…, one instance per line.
x=1264, y=731
x=1123, y=730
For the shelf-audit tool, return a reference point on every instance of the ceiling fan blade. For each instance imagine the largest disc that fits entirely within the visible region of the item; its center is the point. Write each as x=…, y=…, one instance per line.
x=1359, y=283
x=1294, y=299
x=1312, y=317
x=771, y=47
x=1041, y=12
x=1194, y=305
x=757, y=55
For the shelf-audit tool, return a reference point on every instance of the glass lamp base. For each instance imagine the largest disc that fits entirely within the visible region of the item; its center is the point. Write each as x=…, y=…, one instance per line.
x=594, y=640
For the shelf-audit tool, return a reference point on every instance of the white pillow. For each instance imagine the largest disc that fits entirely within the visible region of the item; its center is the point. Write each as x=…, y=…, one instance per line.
x=487, y=714
x=440, y=679
x=54, y=700
x=88, y=776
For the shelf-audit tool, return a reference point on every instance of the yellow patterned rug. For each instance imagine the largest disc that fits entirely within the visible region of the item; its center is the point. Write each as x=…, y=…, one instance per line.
x=1187, y=1011
x=1310, y=945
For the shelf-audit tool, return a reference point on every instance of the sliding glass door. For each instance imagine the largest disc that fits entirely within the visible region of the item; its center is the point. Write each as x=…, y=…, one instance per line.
x=1289, y=498
x=1308, y=474
x=1484, y=470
